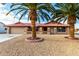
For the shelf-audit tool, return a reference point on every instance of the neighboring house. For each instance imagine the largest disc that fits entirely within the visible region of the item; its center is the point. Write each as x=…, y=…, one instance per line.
x=76, y=30
x=2, y=28
x=47, y=28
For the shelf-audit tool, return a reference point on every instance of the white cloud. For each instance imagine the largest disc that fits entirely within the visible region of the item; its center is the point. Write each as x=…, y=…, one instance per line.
x=1, y=5
x=6, y=19
x=9, y=19
x=25, y=21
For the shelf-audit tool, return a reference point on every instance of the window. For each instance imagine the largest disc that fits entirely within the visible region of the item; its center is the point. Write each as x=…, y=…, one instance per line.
x=29, y=29
x=37, y=28
x=61, y=29
x=44, y=28
x=5, y=28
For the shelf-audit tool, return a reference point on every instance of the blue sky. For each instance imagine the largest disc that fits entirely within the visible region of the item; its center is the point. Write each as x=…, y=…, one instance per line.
x=10, y=18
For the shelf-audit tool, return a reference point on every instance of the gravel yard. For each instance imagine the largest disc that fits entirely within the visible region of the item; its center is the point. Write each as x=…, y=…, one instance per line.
x=53, y=45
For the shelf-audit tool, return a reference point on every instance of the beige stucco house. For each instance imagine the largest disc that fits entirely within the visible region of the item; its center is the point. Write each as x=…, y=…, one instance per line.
x=46, y=28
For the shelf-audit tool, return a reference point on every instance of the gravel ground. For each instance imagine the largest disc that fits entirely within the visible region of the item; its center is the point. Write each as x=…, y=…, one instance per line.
x=53, y=45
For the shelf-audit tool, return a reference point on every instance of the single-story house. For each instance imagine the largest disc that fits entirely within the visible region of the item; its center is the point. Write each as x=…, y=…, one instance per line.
x=45, y=28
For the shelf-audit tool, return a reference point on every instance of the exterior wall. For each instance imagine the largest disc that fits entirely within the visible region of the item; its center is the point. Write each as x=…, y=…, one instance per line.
x=48, y=30
x=56, y=32
x=17, y=30
x=23, y=30
x=40, y=30
x=7, y=30
x=61, y=33
x=53, y=30
x=67, y=30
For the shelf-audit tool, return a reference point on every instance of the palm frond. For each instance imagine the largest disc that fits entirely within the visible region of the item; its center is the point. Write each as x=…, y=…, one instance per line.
x=18, y=12
x=15, y=9
x=23, y=14
x=15, y=4
x=64, y=20
x=23, y=7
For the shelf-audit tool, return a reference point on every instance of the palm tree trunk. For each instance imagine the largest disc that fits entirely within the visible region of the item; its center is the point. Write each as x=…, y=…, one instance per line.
x=71, y=22
x=33, y=29
x=33, y=17
x=71, y=32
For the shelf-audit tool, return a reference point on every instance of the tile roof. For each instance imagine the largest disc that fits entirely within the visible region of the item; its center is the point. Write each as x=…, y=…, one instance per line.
x=53, y=24
x=20, y=24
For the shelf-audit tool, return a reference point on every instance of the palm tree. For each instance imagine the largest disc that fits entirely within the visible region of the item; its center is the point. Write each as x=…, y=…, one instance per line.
x=35, y=11
x=66, y=12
